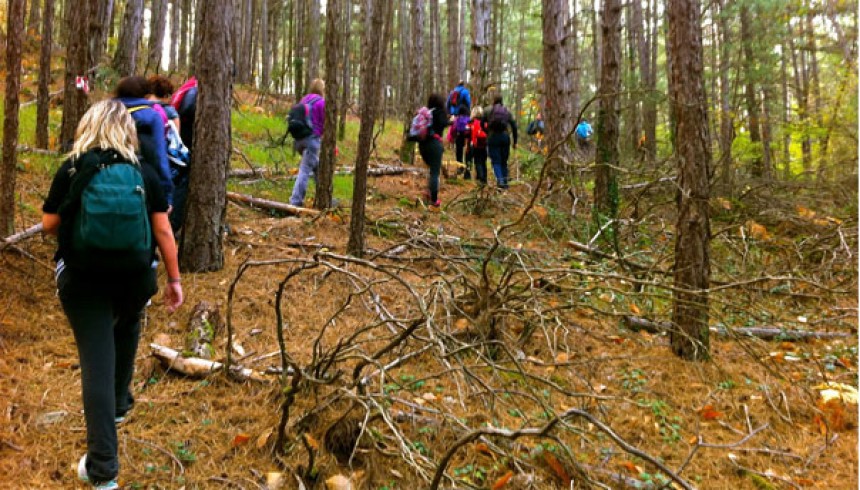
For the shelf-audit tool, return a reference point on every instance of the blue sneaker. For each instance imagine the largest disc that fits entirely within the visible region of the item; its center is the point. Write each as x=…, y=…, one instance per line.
x=84, y=477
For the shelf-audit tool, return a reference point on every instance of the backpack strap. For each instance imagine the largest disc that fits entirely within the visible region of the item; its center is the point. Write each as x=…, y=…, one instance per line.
x=132, y=110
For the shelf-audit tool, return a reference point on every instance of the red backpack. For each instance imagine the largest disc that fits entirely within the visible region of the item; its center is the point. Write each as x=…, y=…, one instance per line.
x=479, y=136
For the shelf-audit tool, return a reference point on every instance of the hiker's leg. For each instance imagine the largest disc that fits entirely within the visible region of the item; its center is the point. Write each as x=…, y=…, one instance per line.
x=431, y=152
x=126, y=334
x=505, y=151
x=459, y=144
x=480, y=156
x=90, y=315
x=495, y=153
x=306, y=169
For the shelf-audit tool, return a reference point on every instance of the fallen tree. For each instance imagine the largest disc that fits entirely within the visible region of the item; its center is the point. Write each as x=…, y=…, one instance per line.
x=765, y=333
x=268, y=204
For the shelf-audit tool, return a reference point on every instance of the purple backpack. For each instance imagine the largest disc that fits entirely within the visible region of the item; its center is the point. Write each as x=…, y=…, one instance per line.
x=461, y=125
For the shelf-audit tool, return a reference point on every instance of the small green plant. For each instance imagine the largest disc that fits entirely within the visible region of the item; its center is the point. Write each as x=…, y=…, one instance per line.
x=183, y=452
x=634, y=380
x=726, y=385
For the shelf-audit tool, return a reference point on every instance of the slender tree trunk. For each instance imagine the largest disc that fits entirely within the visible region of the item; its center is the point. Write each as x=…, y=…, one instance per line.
x=689, y=337
x=480, y=48
x=312, y=29
x=376, y=11
x=174, y=35
x=100, y=12
x=801, y=85
x=438, y=74
x=299, y=47
x=766, y=138
x=649, y=106
x=556, y=80
x=416, y=85
x=727, y=130
x=43, y=103
x=455, y=68
x=785, y=111
x=158, y=27
x=35, y=17
x=605, y=181
x=575, y=65
x=265, y=48
x=815, y=87
x=201, y=249
x=345, y=58
x=125, y=59
x=14, y=43
x=333, y=50
x=185, y=33
x=753, y=123
x=75, y=101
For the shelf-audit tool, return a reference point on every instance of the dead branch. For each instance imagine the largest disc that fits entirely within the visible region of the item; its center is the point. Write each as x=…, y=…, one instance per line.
x=199, y=368
x=274, y=205
x=20, y=236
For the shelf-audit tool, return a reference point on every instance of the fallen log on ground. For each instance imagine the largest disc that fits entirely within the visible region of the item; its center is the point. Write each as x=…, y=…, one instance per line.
x=244, y=173
x=204, y=323
x=275, y=205
x=765, y=333
x=251, y=172
x=199, y=368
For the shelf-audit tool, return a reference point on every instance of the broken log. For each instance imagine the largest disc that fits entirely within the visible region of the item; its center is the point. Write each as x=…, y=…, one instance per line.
x=20, y=236
x=275, y=205
x=249, y=172
x=199, y=368
x=765, y=333
x=204, y=323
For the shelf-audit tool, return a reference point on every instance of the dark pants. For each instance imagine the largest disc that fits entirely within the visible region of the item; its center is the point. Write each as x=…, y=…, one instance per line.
x=459, y=145
x=431, y=151
x=104, y=312
x=479, y=157
x=499, y=149
x=180, y=195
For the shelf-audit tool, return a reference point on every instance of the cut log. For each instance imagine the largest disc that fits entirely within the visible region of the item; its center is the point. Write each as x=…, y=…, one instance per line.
x=204, y=324
x=244, y=173
x=200, y=368
x=765, y=333
x=267, y=204
x=189, y=366
x=39, y=151
x=20, y=236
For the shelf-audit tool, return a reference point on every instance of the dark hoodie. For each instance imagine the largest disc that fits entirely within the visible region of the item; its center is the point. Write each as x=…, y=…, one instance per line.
x=153, y=144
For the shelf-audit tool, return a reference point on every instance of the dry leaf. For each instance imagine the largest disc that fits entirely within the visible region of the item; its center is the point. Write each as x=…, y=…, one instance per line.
x=240, y=439
x=483, y=449
x=556, y=467
x=263, y=438
x=313, y=443
x=274, y=480
x=629, y=466
x=724, y=203
x=787, y=346
x=338, y=482
x=634, y=309
x=561, y=358
x=709, y=413
x=757, y=231
x=805, y=213
x=461, y=323
x=503, y=480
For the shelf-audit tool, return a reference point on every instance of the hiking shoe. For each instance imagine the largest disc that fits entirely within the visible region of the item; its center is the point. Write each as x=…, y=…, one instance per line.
x=84, y=477
x=119, y=420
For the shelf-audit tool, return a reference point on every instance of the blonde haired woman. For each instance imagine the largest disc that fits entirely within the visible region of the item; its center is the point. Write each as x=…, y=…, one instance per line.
x=309, y=147
x=103, y=292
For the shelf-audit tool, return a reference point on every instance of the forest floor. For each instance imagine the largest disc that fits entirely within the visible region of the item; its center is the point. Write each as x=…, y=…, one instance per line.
x=504, y=334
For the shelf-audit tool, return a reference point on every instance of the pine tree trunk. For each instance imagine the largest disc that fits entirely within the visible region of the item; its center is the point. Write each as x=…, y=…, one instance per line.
x=376, y=11
x=75, y=101
x=556, y=81
x=185, y=33
x=158, y=26
x=605, y=180
x=437, y=82
x=312, y=31
x=346, y=77
x=174, y=35
x=14, y=44
x=727, y=130
x=785, y=111
x=35, y=17
x=125, y=59
x=201, y=248
x=455, y=68
x=265, y=47
x=333, y=52
x=43, y=103
x=480, y=48
x=575, y=66
x=649, y=106
x=753, y=124
x=689, y=337
x=100, y=13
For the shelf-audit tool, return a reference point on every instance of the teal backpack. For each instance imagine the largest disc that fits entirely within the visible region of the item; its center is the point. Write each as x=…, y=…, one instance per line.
x=110, y=218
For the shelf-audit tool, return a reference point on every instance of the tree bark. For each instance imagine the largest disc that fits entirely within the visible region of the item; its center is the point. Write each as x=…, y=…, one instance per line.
x=436, y=81
x=125, y=59
x=346, y=77
x=201, y=248
x=727, y=129
x=376, y=11
x=455, y=67
x=14, y=43
x=605, y=181
x=75, y=101
x=35, y=15
x=100, y=15
x=312, y=31
x=557, y=117
x=328, y=161
x=43, y=96
x=174, y=35
x=480, y=49
x=690, y=339
x=158, y=26
x=185, y=34
x=753, y=123
x=649, y=105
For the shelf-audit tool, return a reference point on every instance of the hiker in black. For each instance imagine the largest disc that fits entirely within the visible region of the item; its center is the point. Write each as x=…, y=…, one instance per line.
x=498, y=119
x=461, y=132
x=185, y=103
x=103, y=302
x=431, y=147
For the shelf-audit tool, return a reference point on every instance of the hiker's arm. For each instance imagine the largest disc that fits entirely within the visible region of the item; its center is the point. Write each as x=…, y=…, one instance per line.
x=167, y=246
x=50, y=223
x=513, y=124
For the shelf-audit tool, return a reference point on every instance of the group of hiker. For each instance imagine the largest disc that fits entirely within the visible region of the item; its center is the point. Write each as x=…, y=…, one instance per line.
x=118, y=196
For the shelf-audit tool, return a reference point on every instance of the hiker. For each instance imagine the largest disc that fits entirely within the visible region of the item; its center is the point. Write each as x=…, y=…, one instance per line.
x=498, y=119
x=431, y=148
x=583, y=134
x=162, y=89
x=478, y=145
x=103, y=291
x=185, y=102
x=149, y=121
x=309, y=146
x=535, y=127
x=459, y=97
x=460, y=130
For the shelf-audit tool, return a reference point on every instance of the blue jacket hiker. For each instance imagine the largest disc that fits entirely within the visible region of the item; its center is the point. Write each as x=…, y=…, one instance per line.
x=459, y=97
x=132, y=92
